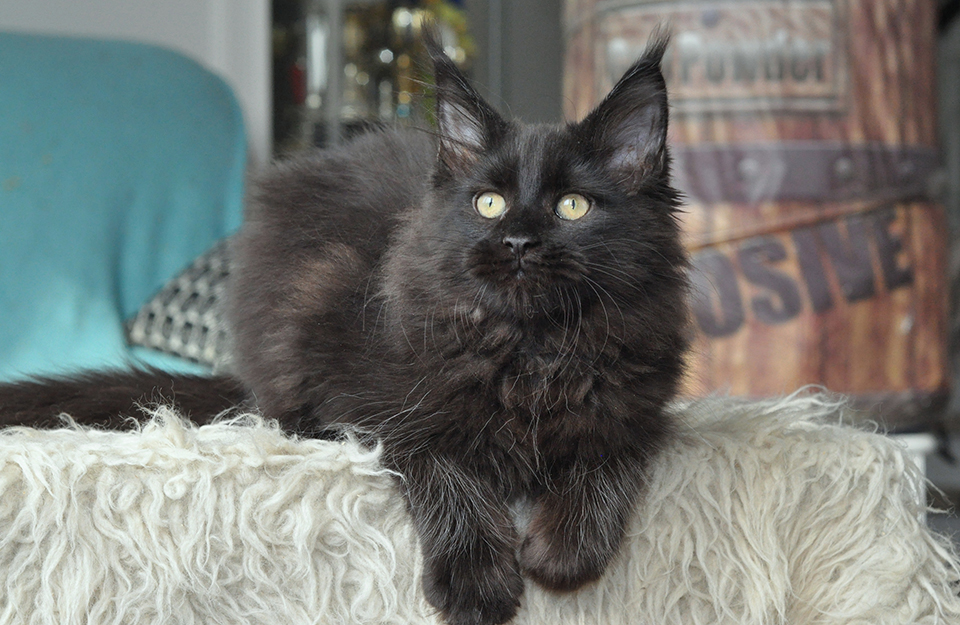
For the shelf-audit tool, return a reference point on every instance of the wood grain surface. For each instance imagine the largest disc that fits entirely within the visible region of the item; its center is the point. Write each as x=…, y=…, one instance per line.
x=842, y=289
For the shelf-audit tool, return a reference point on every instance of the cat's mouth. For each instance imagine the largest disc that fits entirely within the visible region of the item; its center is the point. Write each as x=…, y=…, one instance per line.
x=521, y=278
x=512, y=272
x=498, y=269
x=520, y=268
x=534, y=269
x=536, y=283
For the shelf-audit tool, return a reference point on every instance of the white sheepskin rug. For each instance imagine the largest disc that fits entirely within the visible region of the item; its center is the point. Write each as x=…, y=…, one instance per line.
x=761, y=513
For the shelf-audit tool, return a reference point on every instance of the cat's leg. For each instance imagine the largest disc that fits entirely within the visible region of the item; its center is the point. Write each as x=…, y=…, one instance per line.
x=578, y=523
x=468, y=539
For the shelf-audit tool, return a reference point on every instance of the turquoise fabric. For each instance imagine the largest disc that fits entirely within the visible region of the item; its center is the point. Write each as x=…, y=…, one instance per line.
x=119, y=164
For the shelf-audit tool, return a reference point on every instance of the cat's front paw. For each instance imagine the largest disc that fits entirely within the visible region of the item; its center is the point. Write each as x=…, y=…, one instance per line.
x=559, y=564
x=471, y=594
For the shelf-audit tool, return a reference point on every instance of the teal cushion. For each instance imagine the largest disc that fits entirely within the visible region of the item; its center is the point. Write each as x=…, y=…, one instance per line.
x=119, y=164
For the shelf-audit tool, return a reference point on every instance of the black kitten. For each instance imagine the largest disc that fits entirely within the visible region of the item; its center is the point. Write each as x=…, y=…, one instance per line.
x=502, y=306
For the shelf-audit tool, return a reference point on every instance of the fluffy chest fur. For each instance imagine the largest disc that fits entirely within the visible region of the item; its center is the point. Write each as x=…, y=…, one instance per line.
x=532, y=366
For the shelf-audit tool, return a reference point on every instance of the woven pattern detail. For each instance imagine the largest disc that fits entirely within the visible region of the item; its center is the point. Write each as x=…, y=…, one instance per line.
x=185, y=317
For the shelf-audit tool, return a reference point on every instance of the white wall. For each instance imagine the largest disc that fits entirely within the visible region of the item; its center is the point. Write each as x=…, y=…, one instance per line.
x=230, y=37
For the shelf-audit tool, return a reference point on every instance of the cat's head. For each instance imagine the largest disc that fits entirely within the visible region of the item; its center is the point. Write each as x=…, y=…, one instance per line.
x=536, y=218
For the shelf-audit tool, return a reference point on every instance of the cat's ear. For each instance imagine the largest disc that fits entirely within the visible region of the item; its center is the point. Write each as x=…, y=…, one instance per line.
x=466, y=124
x=628, y=129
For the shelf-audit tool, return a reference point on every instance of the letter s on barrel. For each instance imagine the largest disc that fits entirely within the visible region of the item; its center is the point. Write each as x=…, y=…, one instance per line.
x=833, y=259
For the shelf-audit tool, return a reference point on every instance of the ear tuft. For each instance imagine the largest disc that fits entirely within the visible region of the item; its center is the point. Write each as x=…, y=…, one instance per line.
x=467, y=125
x=629, y=127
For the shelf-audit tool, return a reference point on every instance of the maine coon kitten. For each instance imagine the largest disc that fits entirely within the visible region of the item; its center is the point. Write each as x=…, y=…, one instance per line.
x=502, y=305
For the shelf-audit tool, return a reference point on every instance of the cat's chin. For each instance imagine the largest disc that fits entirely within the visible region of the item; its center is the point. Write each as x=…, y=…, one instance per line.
x=522, y=297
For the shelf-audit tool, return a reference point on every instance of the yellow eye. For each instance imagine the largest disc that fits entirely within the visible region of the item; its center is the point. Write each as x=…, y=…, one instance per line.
x=490, y=205
x=572, y=206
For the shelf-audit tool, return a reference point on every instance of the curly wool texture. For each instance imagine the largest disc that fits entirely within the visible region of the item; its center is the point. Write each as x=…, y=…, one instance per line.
x=760, y=513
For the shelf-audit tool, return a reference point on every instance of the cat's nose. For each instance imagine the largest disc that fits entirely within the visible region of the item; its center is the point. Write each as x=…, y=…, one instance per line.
x=520, y=243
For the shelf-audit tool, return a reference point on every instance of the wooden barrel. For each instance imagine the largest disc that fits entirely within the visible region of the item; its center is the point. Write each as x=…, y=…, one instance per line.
x=803, y=135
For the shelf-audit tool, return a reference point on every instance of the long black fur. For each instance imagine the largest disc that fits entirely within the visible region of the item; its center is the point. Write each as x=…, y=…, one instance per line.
x=525, y=357
x=109, y=399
